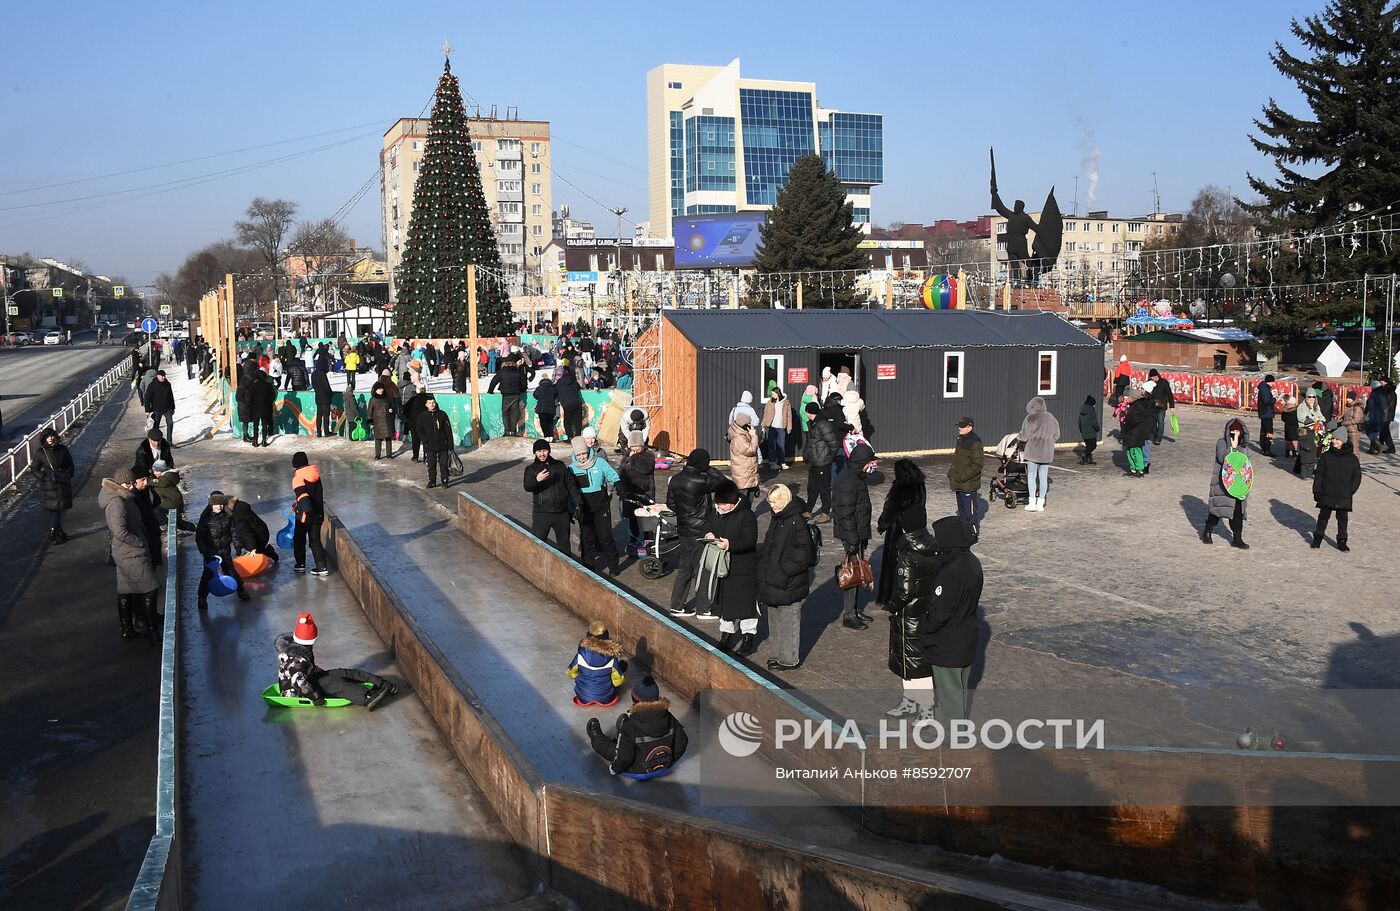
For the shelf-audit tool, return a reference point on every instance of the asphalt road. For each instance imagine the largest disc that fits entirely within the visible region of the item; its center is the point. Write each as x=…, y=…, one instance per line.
x=37, y=380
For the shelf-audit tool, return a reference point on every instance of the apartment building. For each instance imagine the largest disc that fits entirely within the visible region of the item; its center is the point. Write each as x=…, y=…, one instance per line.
x=1097, y=249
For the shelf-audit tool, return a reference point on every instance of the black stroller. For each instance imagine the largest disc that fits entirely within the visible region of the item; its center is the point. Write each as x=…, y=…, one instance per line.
x=1009, y=484
x=662, y=533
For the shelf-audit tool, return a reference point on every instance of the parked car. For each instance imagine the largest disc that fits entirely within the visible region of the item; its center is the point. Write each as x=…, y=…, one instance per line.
x=134, y=338
x=131, y=324
x=18, y=339
x=53, y=337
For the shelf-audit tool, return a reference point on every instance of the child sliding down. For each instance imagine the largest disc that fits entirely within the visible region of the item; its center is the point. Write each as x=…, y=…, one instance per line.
x=597, y=668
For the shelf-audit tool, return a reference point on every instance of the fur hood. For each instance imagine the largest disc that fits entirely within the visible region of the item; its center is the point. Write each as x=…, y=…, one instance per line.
x=658, y=706
x=605, y=647
x=113, y=489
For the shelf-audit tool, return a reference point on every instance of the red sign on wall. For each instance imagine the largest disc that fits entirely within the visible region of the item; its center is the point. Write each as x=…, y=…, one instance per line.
x=884, y=371
x=797, y=376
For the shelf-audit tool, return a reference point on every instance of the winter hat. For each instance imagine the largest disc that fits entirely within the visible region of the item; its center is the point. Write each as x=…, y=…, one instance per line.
x=636, y=438
x=779, y=496
x=49, y=432
x=646, y=690
x=698, y=458
x=579, y=445
x=541, y=445
x=217, y=498
x=155, y=434
x=159, y=465
x=743, y=419
x=299, y=460
x=305, y=631
x=1149, y=386
x=597, y=629
x=124, y=476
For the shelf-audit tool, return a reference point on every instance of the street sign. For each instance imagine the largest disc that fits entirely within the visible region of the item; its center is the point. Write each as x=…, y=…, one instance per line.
x=13, y=311
x=586, y=277
x=118, y=290
x=149, y=325
x=164, y=309
x=57, y=292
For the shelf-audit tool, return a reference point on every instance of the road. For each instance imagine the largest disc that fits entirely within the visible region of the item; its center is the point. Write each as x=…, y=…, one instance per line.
x=37, y=380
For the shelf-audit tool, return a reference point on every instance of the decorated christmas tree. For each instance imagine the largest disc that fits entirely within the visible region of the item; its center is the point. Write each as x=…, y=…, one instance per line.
x=450, y=226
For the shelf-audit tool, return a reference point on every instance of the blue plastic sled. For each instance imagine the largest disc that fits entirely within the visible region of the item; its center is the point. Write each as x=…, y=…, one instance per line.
x=221, y=585
x=643, y=776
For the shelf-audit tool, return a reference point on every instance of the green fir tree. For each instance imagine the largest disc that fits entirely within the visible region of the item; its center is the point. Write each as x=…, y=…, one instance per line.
x=450, y=226
x=810, y=230
x=1379, y=362
x=1338, y=166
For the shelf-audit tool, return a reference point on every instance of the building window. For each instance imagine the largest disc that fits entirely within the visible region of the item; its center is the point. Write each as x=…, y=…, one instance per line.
x=1115, y=248
x=534, y=148
x=1001, y=246
x=1100, y=227
x=1070, y=226
x=778, y=129
x=537, y=230
x=1100, y=246
x=673, y=85
x=1115, y=227
x=476, y=145
x=537, y=250
x=417, y=145
x=952, y=374
x=536, y=209
x=593, y=262
x=1049, y=368
x=534, y=189
x=415, y=166
x=507, y=145
x=660, y=262
x=1135, y=227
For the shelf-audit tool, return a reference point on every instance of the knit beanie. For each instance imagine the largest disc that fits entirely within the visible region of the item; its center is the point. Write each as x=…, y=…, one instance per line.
x=579, y=445
x=124, y=476
x=699, y=459
x=299, y=460
x=646, y=690
x=159, y=466
x=541, y=445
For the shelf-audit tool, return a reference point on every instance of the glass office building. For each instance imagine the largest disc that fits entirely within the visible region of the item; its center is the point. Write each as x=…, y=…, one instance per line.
x=719, y=142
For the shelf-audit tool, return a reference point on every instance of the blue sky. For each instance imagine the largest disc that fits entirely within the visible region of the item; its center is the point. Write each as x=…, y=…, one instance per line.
x=93, y=88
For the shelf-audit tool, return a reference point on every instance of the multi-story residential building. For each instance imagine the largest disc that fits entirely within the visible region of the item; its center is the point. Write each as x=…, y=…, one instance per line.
x=719, y=142
x=1097, y=250
x=513, y=158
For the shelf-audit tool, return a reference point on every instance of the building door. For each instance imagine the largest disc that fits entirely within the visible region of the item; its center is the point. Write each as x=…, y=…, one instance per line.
x=770, y=375
x=835, y=360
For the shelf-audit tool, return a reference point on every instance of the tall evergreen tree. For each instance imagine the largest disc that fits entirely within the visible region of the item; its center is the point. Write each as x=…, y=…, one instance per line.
x=810, y=230
x=1338, y=165
x=450, y=226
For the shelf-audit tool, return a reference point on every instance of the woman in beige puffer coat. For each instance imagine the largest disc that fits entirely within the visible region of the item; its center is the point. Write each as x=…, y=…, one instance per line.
x=743, y=455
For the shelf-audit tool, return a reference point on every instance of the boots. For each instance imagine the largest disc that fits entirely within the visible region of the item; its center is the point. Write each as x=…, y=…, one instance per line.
x=726, y=641
x=124, y=616
x=1035, y=504
x=747, y=644
x=1316, y=540
x=148, y=610
x=1342, y=546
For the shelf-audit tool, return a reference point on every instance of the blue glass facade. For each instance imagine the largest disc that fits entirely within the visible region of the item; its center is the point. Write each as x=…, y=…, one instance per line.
x=777, y=131
x=677, y=162
x=859, y=215
x=707, y=210
x=853, y=146
x=709, y=153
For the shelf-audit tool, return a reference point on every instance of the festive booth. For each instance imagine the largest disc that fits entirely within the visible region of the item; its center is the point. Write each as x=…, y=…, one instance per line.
x=918, y=371
x=1199, y=349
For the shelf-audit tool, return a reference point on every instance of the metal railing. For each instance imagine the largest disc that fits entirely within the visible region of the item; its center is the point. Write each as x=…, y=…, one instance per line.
x=14, y=462
x=158, y=886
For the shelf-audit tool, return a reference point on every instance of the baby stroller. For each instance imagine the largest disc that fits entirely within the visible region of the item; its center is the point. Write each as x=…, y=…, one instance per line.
x=1009, y=483
x=661, y=530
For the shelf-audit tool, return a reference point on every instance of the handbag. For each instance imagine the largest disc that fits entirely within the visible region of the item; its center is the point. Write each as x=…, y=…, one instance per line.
x=454, y=466
x=854, y=572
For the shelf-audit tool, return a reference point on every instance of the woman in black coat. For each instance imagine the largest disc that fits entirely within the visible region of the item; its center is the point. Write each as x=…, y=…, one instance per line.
x=850, y=517
x=53, y=467
x=916, y=565
x=910, y=488
x=264, y=399
x=733, y=523
x=1139, y=423
x=1337, y=479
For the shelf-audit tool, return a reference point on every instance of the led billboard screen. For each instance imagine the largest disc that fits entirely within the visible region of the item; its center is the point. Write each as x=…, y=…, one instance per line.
x=724, y=241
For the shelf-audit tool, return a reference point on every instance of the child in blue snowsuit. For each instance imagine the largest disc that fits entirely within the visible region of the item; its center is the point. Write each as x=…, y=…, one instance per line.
x=597, y=669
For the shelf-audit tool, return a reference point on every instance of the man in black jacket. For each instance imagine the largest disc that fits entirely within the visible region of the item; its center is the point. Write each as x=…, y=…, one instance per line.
x=688, y=496
x=823, y=443
x=510, y=377
x=647, y=740
x=546, y=407
x=160, y=403
x=571, y=401
x=948, y=630
x=154, y=448
x=1162, y=399
x=264, y=400
x=216, y=536
x=253, y=533
x=321, y=385
x=554, y=488
x=433, y=428
x=850, y=502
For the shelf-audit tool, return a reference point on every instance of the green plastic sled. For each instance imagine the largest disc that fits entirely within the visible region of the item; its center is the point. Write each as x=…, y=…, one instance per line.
x=272, y=695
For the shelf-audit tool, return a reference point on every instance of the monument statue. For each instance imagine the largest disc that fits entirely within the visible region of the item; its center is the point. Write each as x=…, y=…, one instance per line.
x=1026, y=263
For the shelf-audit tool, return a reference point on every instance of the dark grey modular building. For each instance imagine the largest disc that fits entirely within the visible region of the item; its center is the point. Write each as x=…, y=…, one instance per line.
x=917, y=370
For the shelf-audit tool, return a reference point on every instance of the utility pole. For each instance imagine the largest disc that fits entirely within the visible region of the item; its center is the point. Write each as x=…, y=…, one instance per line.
x=619, y=212
x=1156, y=197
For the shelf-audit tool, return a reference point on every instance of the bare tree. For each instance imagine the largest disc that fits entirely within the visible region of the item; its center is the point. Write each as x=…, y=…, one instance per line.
x=265, y=231
x=954, y=247
x=321, y=247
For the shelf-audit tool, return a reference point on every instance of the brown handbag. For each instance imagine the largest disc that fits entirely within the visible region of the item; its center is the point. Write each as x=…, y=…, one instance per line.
x=855, y=571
